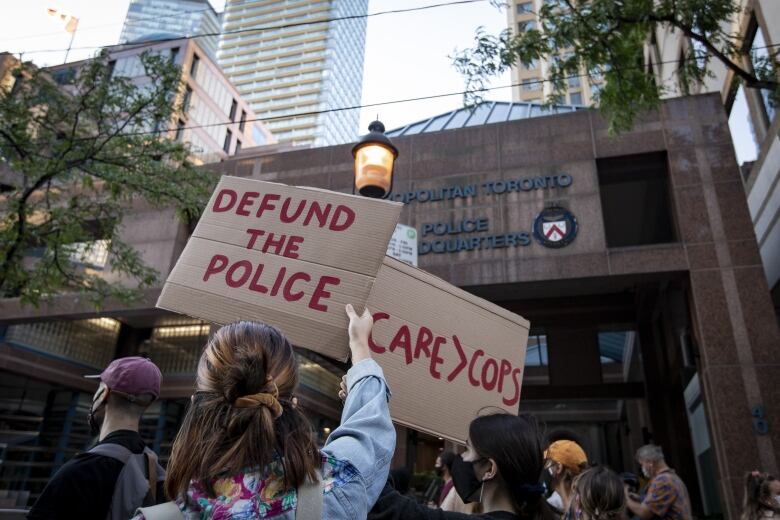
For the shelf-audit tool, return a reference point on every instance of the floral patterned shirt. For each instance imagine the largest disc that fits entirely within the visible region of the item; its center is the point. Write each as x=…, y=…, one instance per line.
x=258, y=494
x=667, y=497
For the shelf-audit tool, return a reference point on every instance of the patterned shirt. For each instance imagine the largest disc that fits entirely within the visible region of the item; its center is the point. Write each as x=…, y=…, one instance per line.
x=667, y=497
x=259, y=494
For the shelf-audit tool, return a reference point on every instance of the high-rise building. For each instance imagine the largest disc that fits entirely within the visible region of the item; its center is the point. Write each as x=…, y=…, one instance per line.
x=151, y=19
x=528, y=77
x=213, y=119
x=303, y=58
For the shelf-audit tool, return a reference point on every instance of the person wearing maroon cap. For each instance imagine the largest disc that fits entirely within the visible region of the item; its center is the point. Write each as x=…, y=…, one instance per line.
x=120, y=473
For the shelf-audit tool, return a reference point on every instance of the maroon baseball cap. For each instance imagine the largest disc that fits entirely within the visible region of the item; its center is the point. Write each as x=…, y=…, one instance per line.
x=133, y=376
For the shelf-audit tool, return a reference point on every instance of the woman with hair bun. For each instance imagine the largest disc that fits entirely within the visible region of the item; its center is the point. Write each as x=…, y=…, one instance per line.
x=245, y=449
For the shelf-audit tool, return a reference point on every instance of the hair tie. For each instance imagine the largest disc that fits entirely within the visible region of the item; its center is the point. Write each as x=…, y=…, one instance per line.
x=260, y=399
x=269, y=399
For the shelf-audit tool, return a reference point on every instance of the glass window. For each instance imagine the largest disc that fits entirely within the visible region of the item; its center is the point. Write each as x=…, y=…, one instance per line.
x=439, y=122
x=526, y=26
x=532, y=84
x=457, y=120
x=185, y=105
x=595, y=90
x=576, y=98
x=613, y=346
x=742, y=132
x=177, y=349
x=531, y=65
x=479, y=114
x=90, y=342
x=759, y=56
x=233, y=109
x=500, y=113
x=179, y=130
x=89, y=254
x=242, y=123
x=635, y=199
x=228, y=138
x=194, y=66
x=519, y=111
x=699, y=49
x=525, y=8
x=536, y=352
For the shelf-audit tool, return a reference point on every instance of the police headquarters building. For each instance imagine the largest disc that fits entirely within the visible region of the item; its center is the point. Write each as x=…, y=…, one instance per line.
x=634, y=258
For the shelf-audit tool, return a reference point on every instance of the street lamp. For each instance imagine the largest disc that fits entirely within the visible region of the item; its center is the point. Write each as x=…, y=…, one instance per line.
x=374, y=157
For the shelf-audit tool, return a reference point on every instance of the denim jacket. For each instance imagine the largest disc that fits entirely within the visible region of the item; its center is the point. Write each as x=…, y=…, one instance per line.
x=355, y=464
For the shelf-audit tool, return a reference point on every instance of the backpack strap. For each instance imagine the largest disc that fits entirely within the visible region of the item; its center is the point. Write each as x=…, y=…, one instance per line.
x=164, y=511
x=310, y=496
x=115, y=451
x=151, y=465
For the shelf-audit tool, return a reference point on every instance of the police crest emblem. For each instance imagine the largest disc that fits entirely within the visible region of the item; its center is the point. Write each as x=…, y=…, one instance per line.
x=555, y=227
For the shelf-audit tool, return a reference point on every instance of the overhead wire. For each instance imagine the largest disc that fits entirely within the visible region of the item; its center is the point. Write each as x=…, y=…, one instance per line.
x=338, y=109
x=382, y=103
x=126, y=46
x=88, y=28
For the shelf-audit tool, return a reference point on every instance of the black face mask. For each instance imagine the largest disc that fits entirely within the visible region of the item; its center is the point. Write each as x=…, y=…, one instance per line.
x=95, y=422
x=466, y=483
x=547, y=481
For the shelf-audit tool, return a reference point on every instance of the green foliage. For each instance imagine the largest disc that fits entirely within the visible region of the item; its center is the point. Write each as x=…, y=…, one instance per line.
x=75, y=158
x=605, y=39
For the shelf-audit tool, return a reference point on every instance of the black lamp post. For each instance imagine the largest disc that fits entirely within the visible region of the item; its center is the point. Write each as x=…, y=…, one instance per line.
x=374, y=157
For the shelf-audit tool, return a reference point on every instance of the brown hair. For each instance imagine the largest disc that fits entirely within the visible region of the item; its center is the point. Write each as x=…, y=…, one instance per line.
x=600, y=494
x=242, y=413
x=757, y=495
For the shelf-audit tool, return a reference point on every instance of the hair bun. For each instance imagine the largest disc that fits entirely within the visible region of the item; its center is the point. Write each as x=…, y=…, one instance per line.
x=260, y=399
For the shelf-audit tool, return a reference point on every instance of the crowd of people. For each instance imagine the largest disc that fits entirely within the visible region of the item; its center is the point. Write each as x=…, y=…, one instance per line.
x=245, y=450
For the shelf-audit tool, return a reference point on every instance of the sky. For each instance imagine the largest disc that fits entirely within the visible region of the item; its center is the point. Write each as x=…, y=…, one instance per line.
x=406, y=53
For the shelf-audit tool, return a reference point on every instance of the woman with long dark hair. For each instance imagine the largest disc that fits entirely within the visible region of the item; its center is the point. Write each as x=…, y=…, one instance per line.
x=245, y=449
x=500, y=469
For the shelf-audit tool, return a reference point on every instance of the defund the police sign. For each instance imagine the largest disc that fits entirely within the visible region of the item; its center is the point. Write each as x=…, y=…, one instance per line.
x=293, y=257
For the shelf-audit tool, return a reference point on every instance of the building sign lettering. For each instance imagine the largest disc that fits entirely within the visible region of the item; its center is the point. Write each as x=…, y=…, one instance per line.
x=470, y=243
x=462, y=191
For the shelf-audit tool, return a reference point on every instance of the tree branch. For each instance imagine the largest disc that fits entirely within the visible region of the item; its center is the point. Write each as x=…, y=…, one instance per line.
x=751, y=80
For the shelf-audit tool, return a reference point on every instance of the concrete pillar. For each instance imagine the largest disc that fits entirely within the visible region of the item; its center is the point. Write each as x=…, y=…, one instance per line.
x=734, y=324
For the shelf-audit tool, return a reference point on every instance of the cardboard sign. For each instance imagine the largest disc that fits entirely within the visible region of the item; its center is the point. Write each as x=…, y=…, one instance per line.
x=446, y=354
x=288, y=256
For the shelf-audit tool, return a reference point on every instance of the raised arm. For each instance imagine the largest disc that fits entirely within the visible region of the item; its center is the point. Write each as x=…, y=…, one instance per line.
x=366, y=436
